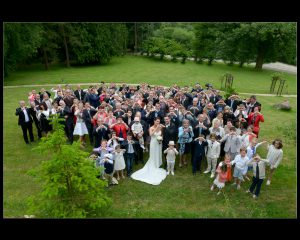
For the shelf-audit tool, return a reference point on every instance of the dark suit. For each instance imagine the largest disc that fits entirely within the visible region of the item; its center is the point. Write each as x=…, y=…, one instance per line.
x=197, y=131
x=187, y=101
x=100, y=135
x=36, y=122
x=42, y=94
x=169, y=133
x=87, y=117
x=129, y=157
x=66, y=113
x=198, y=153
x=25, y=125
x=79, y=94
x=256, y=104
x=232, y=103
x=155, y=114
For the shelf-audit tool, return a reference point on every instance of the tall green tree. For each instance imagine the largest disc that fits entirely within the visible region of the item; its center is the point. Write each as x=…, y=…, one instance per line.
x=21, y=42
x=70, y=187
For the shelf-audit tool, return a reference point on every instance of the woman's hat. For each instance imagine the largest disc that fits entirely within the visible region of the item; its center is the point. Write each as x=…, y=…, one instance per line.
x=171, y=143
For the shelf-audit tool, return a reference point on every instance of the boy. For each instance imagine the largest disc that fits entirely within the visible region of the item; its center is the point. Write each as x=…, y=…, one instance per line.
x=171, y=152
x=259, y=173
x=233, y=142
x=240, y=162
x=213, y=153
x=128, y=145
x=137, y=130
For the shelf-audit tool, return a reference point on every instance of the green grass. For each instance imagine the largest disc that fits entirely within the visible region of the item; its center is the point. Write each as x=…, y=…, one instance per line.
x=137, y=69
x=179, y=196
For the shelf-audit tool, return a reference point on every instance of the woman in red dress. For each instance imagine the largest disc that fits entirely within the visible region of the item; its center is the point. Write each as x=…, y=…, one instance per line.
x=254, y=119
x=120, y=127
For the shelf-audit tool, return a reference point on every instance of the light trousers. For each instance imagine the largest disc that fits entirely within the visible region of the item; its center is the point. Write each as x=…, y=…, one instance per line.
x=211, y=164
x=170, y=166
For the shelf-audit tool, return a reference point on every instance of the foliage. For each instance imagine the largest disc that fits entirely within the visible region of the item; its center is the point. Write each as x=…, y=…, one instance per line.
x=229, y=91
x=70, y=187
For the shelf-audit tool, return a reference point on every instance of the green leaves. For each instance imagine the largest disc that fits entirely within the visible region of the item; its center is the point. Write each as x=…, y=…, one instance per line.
x=70, y=187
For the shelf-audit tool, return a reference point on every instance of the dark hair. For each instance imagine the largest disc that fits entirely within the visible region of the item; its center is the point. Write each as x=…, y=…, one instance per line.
x=113, y=132
x=232, y=128
x=213, y=135
x=44, y=105
x=157, y=118
x=223, y=167
x=253, y=96
x=129, y=135
x=280, y=143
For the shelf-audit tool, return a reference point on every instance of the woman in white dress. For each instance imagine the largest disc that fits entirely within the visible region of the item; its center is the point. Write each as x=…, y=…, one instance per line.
x=151, y=173
x=80, y=127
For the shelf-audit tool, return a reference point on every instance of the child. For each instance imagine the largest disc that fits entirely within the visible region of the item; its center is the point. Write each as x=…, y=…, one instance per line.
x=248, y=136
x=251, y=150
x=220, y=179
x=240, y=162
x=274, y=156
x=228, y=164
x=101, y=151
x=137, y=130
x=108, y=164
x=213, y=153
x=171, y=152
x=198, y=152
x=128, y=145
x=114, y=141
x=119, y=161
x=259, y=172
x=232, y=142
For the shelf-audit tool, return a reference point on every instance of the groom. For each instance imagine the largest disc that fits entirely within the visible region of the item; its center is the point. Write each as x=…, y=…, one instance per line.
x=170, y=133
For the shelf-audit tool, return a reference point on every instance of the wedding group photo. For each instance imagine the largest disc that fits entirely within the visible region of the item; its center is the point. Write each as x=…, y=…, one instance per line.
x=150, y=120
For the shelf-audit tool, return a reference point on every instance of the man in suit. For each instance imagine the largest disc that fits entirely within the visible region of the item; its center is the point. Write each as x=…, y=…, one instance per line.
x=233, y=143
x=87, y=115
x=186, y=100
x=195, y=109
x=68, y=99
x=198, y=152
x=100, y=132
x=173, y=116
x=25, y=121
x=65, y=112
x=170, y=133
x=33, y=112
x=232, y=102
x=156, y=112
x=251, y=104
x=59, y=96
x=42, y=92
x=201, y=128
x=79, y=93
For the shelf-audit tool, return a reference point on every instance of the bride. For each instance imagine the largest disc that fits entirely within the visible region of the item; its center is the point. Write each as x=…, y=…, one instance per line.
x=151, y=173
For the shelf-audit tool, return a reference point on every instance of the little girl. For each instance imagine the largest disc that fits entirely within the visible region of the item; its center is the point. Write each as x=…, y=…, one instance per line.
x=220, y=179
x=274, y=156
x=171, y=156
x=226, y=162
x=114, y=141
x=119, y=161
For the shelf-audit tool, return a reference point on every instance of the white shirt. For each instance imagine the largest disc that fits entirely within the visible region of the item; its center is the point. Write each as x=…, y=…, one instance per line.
x=274, y=156
x=240, y=162
x=26, y=115
x=171, y=154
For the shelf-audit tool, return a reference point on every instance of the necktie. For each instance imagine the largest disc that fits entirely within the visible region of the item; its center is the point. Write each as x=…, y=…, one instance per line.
x=257, y=171
x=231, y=103
x=156, y=114
x=79, y=95
x=89, y=113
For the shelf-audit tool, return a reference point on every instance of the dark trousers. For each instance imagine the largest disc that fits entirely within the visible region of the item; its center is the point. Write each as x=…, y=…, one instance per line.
x=69, y=128
x=27, y=126
x=196, y=163
x=129, y=157
x=90, y=130
x=36, y=122
x=139, y=154
x=256, y=183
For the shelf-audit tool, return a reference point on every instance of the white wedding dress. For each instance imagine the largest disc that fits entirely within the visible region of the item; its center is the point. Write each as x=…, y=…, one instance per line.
x=151, y=173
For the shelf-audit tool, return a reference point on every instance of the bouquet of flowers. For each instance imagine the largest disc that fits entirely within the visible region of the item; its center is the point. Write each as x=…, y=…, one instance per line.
x=159, y=139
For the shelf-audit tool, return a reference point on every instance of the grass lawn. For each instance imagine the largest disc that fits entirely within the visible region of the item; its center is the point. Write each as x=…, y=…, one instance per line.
x=137, y=69
x=179, y=196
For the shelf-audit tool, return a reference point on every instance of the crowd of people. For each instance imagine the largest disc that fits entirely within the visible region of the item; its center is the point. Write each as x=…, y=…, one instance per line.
x=195, y=124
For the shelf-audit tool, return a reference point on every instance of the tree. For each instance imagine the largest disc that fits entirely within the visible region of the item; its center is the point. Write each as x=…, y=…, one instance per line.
x=268, y=41
x=21, y=42
x=70, y=187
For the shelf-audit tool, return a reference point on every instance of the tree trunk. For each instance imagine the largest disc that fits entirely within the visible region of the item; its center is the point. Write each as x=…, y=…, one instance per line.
x=135, y=37
x=241, y=64
x=259, y=60
x=66, y=46
x=46, y=59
